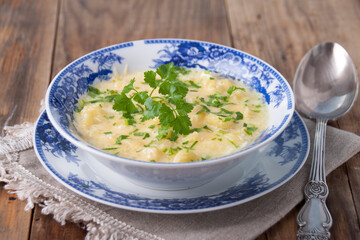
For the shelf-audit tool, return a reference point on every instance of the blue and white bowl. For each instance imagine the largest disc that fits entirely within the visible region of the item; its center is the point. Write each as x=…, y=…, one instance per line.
x=71, y=82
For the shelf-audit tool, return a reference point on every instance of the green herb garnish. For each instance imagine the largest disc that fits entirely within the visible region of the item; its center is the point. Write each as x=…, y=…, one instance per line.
x=139, y=134
x=194, y=85
x=94, y=90
x=191, y=147
x=233, y=88
x=110, y=148
x=148, y=145
x=170, y=107
x=236, y=146
x=120, y=138
x=146, y=135
x=249, y=128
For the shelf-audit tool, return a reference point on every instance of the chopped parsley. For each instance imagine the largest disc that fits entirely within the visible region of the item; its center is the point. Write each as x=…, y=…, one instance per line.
x=233, y=88
x=120, y=138
x=146, y=135
x=191, y=147
x=139, y=134
x=249, y=128
x=236, y=146
x=148, y=145
x=112, y=148
x=192, y=84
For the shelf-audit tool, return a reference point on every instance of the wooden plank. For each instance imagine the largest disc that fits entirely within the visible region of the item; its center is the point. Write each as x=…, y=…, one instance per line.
x=281, y=32
x=26, y=45
x=45, y=227
x=85, y=26
x=353, y=169
x=262, y=237
x=89, y=25
x=14, y=221
x=286, y=227
x=341, y=206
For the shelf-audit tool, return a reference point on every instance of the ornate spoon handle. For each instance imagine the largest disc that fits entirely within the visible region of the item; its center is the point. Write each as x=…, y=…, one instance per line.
x=314, y=218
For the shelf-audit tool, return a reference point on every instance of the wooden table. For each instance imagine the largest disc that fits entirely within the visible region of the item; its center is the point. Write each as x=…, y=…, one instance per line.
x=38, y=38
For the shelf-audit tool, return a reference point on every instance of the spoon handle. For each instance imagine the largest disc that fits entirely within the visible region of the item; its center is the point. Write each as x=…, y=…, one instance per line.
x=314, y=218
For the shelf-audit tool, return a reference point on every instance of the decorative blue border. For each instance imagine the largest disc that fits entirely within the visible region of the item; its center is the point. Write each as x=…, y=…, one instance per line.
x=238, y=53
x=83, y=59
x=173, y=205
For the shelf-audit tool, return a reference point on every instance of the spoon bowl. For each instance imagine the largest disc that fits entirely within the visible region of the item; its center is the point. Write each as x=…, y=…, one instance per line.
x=325, y=88
x=326, y=83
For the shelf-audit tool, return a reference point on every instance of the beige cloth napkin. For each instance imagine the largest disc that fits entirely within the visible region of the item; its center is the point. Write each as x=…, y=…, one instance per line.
x=24, y=174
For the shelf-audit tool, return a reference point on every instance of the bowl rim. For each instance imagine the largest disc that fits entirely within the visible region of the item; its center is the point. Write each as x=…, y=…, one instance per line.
x=87, y=147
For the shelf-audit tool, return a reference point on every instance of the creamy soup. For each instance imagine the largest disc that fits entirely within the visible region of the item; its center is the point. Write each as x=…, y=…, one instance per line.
x=170, y=115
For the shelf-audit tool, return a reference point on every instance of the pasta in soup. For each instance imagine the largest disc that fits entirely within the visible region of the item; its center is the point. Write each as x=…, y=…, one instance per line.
x=170, y=115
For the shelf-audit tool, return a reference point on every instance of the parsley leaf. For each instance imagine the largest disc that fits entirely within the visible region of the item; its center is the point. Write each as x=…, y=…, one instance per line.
x=150, y=78
x=129, y=87
x=141, y=97
x=182, y=125
x=167, y=71
x=124, y=104
x=152, y=109
x=166, y=115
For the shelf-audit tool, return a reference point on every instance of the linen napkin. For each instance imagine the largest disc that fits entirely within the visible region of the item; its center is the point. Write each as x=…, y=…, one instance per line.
x=23, y=173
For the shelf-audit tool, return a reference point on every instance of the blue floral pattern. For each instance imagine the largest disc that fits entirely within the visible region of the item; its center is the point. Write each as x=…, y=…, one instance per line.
x=254, y=184
x=86, y=186
x=51, y=148
x=218, y=59
x=54, y=143
x=285, y=148
x=74, y=81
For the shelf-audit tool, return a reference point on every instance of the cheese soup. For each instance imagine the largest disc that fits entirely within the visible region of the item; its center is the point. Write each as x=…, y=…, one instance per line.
x=170, y=115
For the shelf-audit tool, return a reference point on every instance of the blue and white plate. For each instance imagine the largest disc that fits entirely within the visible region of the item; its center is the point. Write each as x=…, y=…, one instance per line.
x=267, y=169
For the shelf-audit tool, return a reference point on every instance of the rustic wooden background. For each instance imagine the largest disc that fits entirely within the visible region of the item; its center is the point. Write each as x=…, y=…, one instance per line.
x=38, y=38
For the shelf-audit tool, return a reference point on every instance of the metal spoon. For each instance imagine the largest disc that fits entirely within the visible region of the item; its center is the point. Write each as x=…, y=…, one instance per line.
x=325, y=87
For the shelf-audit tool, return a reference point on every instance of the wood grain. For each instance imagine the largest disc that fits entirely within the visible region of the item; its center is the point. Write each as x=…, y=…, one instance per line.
x=89, y=25
x=14, y=221
x=281, y=32
x=26, y=44
x=45, y=227
x=341, y=206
